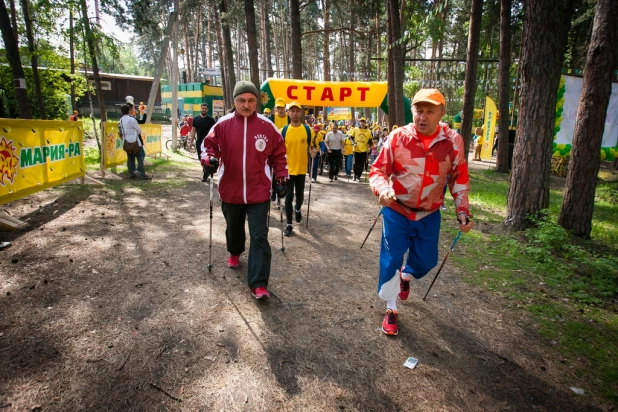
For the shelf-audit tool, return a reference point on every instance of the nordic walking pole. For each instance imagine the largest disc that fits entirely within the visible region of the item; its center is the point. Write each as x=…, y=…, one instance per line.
x=309, y=198
x=443, y=262
x=281, y=217
x=372, y=226
x=210, y=236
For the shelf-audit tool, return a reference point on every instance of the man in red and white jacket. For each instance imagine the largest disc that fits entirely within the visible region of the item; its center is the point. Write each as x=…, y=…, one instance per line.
x=409, y=175
x=244, y=146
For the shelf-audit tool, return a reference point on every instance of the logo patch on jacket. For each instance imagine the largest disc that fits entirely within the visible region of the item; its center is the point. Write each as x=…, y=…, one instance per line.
x=260, y=142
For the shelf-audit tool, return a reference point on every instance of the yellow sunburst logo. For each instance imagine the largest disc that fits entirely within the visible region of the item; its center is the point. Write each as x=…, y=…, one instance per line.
x=8, y=161
x=110, y=143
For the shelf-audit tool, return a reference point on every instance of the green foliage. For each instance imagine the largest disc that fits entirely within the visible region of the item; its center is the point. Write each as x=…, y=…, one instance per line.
x=569, y=286
x=55, y=84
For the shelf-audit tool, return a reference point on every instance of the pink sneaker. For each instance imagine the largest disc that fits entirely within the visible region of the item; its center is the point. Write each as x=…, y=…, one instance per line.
x=260, y=292
x=233, y=261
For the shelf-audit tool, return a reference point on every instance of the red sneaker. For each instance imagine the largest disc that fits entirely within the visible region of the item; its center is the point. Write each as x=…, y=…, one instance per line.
x=404, y=288
x=389, y=324
x=233, y=261
x=260, y=292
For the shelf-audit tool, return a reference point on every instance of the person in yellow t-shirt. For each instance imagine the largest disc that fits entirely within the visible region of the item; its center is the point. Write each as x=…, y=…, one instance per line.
x=280, y=117
x=362, y=142
x=348, y=155
x=297, y=137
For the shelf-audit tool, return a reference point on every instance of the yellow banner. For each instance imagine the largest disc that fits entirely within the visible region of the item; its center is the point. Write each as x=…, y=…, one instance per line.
x=332, y=94
x=38, y=154
x=489, y=127
x=115, y=155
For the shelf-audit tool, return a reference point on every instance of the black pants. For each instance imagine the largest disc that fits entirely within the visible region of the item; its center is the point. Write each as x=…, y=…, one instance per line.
x=296, y=186
x=360, y=159
x=198, y=150
x=259, y=249
x=334, y=162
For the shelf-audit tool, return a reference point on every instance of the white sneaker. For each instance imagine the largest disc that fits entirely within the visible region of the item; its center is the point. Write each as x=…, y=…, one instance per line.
x=312, y=180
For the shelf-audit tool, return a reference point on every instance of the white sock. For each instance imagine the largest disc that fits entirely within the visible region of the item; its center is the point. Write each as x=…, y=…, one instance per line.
x=392, y=304
x=406, y=276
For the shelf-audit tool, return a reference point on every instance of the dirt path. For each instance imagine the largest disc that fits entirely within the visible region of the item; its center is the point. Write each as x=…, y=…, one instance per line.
x=106, y=304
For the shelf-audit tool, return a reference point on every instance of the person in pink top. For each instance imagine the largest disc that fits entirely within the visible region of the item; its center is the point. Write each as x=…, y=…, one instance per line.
x=408, y=176
x=247, y=145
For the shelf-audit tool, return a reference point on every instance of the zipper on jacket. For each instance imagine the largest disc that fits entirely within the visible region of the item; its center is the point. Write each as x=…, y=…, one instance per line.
x=244, y=164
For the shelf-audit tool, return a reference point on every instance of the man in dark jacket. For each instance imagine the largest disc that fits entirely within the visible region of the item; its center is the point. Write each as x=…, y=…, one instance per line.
x=245, y=145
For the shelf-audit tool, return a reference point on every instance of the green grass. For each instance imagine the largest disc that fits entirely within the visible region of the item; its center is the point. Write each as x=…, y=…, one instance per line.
x=569, y=286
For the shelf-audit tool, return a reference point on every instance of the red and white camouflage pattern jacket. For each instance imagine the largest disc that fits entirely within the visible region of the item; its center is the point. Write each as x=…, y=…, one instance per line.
x=417, y=176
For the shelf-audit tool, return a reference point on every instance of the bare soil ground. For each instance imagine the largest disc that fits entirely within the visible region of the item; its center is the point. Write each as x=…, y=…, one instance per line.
x=106, y=304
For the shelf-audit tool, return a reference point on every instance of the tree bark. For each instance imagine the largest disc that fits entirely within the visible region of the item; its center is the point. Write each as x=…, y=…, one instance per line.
x=326, y=44
x=395, y=74
x=296, y=46
x=504, y=80
x=227, y=48
x=33, y=59
x=351, y=54
x=254, y=65
x=72, y=55
x=12, y=55
x=546, y=25
x=220, y=50
x=93, y=60
x=267, y=35
x=472, y=59
x=602, y=60
x=165, y=45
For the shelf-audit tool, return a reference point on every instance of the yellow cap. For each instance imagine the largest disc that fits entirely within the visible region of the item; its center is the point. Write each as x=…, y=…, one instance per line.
x=294, y=104
x=280, y=102
x=395, y=126
x=362, y=119
x=267, y=110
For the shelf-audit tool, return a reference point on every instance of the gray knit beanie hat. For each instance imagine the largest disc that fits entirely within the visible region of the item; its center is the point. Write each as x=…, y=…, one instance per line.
x=245, y=87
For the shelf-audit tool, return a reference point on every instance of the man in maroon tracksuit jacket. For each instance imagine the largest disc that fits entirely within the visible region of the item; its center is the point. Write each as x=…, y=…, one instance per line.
x=247, y=145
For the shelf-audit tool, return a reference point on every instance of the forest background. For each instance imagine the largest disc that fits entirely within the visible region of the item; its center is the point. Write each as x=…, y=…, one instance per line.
x=510, y=50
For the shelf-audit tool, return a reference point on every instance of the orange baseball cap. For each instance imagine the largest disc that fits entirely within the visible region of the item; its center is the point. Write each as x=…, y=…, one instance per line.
x=432, y=96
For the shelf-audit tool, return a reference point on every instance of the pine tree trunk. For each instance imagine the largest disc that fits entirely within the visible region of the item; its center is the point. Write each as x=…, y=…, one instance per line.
x=546, y=25
x=227, y=52
x=471, y=72
x=395, y=66
x=602, y=60
x=72, y=55
x=254, y=65
x=297, y=54
x=504, y=81
x=221, y=52
x=93, y=61
x=12, y=55
x=326, y=44
x=33, y=59
x=165, y=46
x=351, y=54
x=265, y=7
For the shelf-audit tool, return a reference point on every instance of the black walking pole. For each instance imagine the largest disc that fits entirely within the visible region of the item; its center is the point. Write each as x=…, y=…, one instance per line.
x=443, y=262
x=210, y=236
x=309, y=198
x=281, y=217
x=372, y=226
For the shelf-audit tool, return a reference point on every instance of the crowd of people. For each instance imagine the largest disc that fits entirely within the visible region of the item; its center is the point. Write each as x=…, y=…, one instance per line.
x=257, y=156
x=267, y=157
